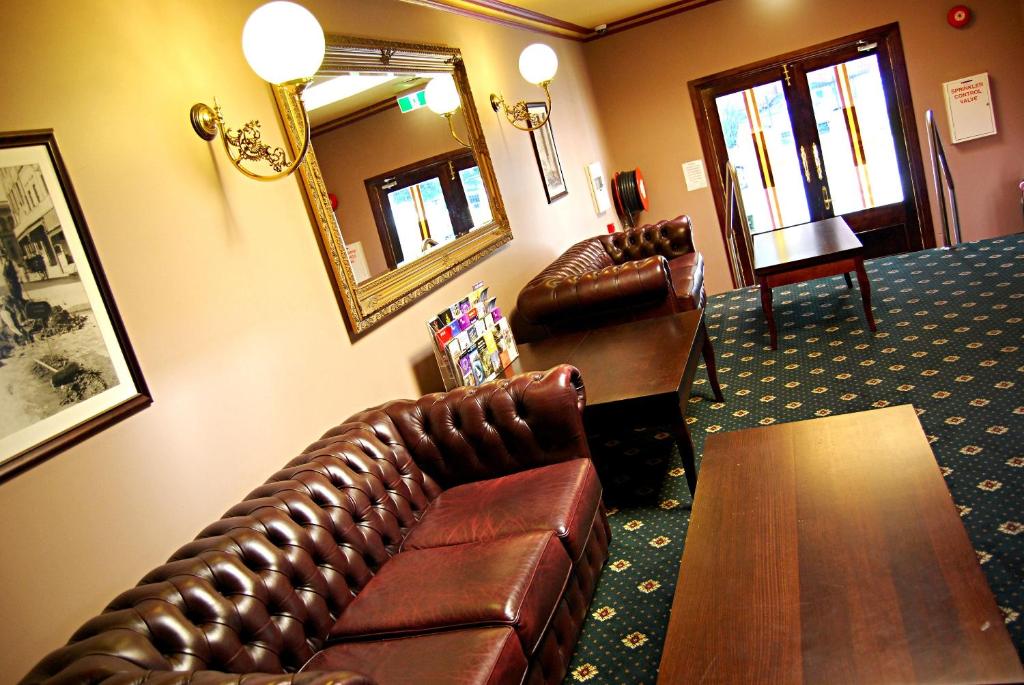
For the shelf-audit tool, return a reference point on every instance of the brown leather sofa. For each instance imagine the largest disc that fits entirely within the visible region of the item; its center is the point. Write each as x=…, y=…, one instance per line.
x=454, y=538
x=633, y=274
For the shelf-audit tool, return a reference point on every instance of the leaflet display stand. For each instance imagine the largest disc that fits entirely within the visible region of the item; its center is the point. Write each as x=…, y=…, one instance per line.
x=473, y=342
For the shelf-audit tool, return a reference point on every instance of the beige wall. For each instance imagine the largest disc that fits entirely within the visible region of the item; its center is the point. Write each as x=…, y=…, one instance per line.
x=219, y=278
x=220, y=281
x=649, y=121
x=369, y=147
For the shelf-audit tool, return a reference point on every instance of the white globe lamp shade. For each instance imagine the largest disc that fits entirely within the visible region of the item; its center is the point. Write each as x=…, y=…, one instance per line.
x=538, y=63
x=442, y=95
x=283, y=42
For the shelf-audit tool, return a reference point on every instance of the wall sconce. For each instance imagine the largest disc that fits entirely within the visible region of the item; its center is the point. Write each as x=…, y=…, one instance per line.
x=443, y=98
x=538, y=64
x=284, y=45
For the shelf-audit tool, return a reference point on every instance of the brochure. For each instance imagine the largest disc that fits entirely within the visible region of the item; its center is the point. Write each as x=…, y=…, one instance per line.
x=473, y=342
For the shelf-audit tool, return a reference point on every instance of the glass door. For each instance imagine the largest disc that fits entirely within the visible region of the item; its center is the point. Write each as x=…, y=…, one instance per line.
x=420, y=218
x=859, y=147
x=424, y=205
x=820, y=133
x=858, y=151
x=758, y=136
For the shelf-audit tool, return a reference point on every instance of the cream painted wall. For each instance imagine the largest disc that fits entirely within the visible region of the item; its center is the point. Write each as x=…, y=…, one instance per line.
x=651, y=124
x=369, y=147
x=219, y=278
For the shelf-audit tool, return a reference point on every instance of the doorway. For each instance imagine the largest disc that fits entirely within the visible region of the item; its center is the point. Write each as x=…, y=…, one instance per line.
x=426, y=204
x=821, y=132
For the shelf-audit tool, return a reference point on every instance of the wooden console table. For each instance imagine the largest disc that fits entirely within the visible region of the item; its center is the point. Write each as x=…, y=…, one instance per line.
x=829, y=551
x=636, y=372
x=806, y=251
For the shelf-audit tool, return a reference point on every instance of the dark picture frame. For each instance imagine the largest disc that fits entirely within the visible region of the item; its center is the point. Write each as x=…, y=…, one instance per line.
x=546, y=152
x=64, y=351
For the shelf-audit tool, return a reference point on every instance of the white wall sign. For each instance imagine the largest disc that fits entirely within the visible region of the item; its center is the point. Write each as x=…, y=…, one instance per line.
x=969, y=107
x=694, y=174
x=357, y=260
x=598, y=187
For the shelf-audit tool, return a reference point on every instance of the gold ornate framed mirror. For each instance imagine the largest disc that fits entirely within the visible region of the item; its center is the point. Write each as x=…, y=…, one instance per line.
x=401, y=203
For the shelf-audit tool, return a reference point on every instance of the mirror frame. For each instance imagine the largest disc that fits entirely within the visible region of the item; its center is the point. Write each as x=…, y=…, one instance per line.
x=370, y=302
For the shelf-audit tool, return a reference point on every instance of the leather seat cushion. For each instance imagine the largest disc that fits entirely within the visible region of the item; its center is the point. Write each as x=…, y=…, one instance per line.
x=482, y=656
x=687, y=273
x=563, y=498
x=515, y=581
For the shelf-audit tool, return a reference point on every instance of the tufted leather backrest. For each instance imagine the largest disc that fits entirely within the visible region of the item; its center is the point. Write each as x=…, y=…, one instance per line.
x=384, y=490
x=258, y=590
x=582, y=258
x=669, y=238
x=494, y=429
x=584, y=282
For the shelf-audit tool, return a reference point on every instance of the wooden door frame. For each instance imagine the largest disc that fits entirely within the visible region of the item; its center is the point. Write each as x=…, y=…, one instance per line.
x=411, y=174
x=702, y=103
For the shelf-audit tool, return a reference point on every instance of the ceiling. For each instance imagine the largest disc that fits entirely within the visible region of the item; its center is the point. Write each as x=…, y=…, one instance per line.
x=572, y=19
x=400, y=85
x=569, y=18
x=591, y=13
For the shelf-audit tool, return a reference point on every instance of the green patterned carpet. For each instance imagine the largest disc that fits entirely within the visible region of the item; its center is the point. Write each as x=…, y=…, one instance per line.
x=949, y=342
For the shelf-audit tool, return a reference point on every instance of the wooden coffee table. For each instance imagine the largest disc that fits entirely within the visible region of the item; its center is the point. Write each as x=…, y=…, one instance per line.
x=804, y=252
x=829, y=551
x=636, y=372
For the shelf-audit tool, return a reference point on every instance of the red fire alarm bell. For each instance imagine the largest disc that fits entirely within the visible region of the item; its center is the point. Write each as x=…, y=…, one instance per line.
x=959, y=16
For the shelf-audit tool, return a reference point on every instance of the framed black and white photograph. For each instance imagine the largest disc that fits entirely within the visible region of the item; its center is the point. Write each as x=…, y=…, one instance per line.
x=547, y=154
x=67, y=369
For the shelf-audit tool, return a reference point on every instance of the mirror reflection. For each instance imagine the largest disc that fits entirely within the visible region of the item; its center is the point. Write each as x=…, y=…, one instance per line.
x=400, y=181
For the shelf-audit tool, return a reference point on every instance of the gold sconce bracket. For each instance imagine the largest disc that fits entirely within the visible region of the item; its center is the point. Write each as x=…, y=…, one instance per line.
x=248, y=141
x=285, y=45
x=451, y=129
x=518, y=114
x=204, y=121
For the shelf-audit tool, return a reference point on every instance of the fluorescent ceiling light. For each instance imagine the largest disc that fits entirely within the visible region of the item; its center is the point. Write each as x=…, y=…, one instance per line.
x=341, y=87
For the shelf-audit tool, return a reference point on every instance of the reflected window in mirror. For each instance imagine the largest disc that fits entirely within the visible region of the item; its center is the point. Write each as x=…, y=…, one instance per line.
x=388, y=160
x=427, y=204
x=403, y=197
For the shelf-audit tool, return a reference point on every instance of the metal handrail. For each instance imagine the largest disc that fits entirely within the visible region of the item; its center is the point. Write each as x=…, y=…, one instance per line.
x=1021, y=187
x=735, y=214
x=942, y=176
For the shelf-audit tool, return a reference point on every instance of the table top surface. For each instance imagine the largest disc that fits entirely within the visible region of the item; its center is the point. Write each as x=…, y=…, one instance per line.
x=626, y=361
x=804, y=244
x=830, y=551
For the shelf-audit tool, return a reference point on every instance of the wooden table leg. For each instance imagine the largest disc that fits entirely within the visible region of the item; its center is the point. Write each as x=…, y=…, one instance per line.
x=865, y=292
x=682, y=435
x=708, y=352
x=849, y=282
x=766, y=306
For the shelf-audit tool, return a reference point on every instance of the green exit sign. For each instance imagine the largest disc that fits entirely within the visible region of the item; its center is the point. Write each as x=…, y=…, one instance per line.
x=408, y=103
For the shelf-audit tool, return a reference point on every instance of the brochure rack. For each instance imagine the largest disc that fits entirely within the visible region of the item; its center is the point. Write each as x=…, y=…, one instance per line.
x=472, y=340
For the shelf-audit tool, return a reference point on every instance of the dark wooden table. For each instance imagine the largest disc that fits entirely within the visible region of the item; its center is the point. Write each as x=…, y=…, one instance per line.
x=829, y=551
x=804, y=252
x=636, y=372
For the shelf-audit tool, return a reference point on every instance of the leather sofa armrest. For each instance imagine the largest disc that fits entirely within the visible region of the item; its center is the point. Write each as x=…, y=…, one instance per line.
x=679, y=233
x=475, y=433
x=531, y=419
x=596, y=292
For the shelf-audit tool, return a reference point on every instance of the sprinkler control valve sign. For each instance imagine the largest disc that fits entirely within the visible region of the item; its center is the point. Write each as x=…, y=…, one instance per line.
x=969, y=107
